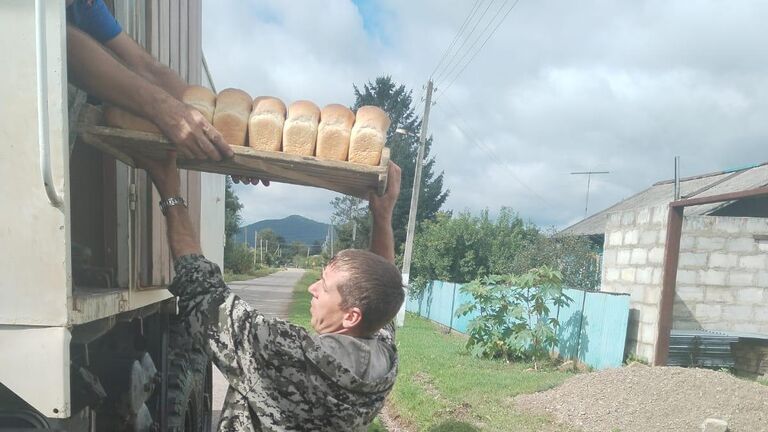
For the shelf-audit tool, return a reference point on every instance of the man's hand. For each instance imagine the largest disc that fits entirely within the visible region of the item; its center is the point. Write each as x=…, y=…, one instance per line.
x=193, y=135
x=382, y=206
x=97, y=72
x=249, y=180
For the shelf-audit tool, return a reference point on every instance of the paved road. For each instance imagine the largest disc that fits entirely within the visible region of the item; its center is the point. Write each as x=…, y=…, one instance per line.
x=271, y=295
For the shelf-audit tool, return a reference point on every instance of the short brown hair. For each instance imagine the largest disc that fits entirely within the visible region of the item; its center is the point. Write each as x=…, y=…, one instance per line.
x=373, y=284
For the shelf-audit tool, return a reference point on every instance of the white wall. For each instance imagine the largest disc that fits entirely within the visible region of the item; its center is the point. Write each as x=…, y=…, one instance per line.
x=35, y=287
x=632, y=263
x=722, y=277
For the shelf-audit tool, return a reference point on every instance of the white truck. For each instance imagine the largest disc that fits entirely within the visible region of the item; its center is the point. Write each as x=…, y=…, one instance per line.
x=87, y=331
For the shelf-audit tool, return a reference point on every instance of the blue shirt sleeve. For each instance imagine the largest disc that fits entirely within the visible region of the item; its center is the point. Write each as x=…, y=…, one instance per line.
x=93, y=17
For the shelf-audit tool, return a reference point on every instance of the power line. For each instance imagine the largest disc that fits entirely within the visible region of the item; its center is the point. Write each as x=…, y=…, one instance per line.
x=466, y=39
x=458, y=34
x=479, y=49
x=475, y=41
x=471, y=136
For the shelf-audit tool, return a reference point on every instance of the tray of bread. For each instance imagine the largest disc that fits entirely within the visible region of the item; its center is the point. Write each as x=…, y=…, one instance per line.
x=330, y=148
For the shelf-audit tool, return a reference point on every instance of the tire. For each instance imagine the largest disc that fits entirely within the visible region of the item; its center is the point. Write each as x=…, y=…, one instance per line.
x=189, y=385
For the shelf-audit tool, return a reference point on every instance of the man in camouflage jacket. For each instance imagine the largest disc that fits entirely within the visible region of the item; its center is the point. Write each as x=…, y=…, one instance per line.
x=281, y=378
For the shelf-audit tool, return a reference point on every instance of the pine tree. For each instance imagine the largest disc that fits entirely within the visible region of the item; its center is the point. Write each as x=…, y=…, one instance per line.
x=397, y=101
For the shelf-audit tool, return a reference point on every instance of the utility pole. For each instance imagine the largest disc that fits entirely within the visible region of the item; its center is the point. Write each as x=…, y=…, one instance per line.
x=261, y=250
x=406, y=270
x=255, y=237
x=589, y=178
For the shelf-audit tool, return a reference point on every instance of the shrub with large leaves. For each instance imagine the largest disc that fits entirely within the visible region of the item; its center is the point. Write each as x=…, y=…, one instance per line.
x=514, y=319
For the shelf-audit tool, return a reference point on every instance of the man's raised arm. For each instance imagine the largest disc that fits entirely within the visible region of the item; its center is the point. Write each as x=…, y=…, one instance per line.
x=382, y=238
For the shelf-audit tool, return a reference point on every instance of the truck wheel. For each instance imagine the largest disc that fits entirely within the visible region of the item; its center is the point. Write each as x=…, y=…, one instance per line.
x=189, y=386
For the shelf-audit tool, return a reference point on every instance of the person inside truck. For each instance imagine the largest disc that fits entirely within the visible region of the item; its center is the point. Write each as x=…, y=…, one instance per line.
x=108, y=64
x=281, y=377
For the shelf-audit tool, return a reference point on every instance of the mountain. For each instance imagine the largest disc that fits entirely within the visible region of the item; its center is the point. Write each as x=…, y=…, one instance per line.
x=292, y=228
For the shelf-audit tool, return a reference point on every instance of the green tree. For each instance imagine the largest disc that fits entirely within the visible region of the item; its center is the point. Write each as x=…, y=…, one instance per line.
x=268, y=245
x=461, y=248
x=397, y=101
x=232, y=207
x=232, y=220
x=296, y=248
x=350, y=218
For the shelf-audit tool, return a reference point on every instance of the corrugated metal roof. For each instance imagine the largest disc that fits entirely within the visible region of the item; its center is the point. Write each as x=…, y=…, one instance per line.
x=662, y=193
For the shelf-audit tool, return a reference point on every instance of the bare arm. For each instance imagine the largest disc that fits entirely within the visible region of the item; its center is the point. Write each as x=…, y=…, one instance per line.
x=141, y=62
x=95, y=70
x=382, y=238
x=182, y=237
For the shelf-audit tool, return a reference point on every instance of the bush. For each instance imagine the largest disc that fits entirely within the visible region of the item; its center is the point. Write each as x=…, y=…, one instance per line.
x=514, y=320
x=238, y=259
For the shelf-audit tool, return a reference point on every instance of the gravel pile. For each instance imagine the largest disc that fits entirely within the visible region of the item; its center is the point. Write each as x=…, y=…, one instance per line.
x=642, y=398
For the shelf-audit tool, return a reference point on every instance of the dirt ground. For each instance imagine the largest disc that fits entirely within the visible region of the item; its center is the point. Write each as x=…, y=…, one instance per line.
x=643, y=398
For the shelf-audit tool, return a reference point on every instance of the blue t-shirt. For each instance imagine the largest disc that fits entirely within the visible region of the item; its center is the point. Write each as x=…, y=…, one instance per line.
x=93, y=17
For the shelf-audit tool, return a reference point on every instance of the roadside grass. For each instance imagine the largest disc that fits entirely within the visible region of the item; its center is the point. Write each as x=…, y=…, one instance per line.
x=234, y=277
x=302, y=299
x=440, y=388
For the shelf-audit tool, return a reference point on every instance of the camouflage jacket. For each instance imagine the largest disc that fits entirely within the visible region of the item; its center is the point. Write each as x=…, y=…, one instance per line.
x=280, y=377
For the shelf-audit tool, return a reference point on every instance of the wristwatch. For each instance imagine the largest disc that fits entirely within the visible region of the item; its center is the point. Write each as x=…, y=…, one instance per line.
x=170, y=202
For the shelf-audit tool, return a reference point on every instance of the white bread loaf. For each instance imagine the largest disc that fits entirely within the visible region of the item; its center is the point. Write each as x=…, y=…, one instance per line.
x=202, y=98
x=120, y=118
x=300, y=130
x=230, y=118
x=369, y=134
x=265, y=125
x=333, y=132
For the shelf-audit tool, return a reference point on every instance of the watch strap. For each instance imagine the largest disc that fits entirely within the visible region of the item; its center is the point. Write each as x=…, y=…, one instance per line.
x=170, y=202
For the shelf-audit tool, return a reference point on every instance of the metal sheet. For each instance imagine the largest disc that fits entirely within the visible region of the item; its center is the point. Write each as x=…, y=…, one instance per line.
x=41, y=354
x=700, y=348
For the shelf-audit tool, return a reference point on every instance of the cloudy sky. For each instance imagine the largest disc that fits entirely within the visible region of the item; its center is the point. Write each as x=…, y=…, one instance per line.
x=562, y=86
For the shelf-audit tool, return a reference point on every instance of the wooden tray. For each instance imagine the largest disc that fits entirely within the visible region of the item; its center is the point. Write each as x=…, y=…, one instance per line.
x=344, y=177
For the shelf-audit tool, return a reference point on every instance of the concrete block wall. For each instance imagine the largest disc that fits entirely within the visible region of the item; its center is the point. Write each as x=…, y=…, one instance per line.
x=632, y=263
x=722, y=278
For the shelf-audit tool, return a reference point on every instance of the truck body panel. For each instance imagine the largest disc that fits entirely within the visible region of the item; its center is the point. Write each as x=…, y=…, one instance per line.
x=37, y=368
x=36, y=285
x=107, y=205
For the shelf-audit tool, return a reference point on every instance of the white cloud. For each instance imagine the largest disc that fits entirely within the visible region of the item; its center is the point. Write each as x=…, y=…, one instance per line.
x=561, y=87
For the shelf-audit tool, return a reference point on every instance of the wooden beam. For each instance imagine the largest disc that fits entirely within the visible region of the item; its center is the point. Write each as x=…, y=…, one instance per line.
x=731, y=196
x=669, y=279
